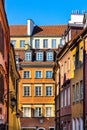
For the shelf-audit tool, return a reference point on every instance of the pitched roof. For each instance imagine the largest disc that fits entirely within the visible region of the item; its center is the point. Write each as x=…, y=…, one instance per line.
x=21, y=30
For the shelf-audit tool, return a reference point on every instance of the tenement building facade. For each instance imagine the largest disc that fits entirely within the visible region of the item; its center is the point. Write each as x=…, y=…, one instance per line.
x=35, y=53
x=70, y=77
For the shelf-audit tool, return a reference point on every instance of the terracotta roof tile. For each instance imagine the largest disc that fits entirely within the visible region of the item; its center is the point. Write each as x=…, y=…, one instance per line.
x=18, y=30
x=56, y=30
x=21, y=30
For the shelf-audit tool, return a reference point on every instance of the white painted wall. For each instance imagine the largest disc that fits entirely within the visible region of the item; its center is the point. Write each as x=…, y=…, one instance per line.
x=49, y=41
x=76, y=18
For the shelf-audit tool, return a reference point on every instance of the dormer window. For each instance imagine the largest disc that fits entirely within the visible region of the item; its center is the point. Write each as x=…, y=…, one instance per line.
x=28, y=56
x=45, y=43
x=39, y=56
x=49, y=56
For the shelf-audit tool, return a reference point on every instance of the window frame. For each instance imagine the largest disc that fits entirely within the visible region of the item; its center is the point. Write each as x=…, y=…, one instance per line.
x=38, y=56
x=26, y=77
x=38, y=112
x=50, y=56
x=25, y=91
x=22, y=43
x=29, y=56
x=38, y=74
x=37, y=43
x=49, y=92
x=45, y=43
x=39, y=93
x=49, y=75
x=53, y=46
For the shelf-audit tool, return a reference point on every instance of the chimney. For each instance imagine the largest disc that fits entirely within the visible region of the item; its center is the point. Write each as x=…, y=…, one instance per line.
x=30, y=27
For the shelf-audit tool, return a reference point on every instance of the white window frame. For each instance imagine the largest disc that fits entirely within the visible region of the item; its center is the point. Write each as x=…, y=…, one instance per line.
x=39, y=56
x=39, y=92
x=50, y=56
x=53, y=43
x=38, y=112
x=48, y=111
x=22, y=43
x=37, y=43
x=48, y=74
x=28, y=114
x=49, y=92
x=27, y=56
x=39, y=75
x=26, y=90
x=45, y=43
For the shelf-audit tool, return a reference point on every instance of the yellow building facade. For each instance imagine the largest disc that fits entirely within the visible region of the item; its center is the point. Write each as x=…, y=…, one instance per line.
x=13, y=119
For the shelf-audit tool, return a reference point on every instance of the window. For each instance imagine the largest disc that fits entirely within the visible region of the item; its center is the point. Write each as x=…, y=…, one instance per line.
x=81, y=55
x=68, y=64
x=39, y=56
x=73, y=62
x=50, y=56
x=81, y=89
x=26, y=74
x=26, y=112
x=28, y=56
x=38, y=74
x=74, y=93
x=73, y=124
x=37, y=112
x=38, y=91
x=48, y=91
x=69, y=96
x=61, y=99
x=53, y=43
x=45, y=43
x=13, y=43
x=77, y=91
x=26, y=90
x=48, y=111
x=65, y=97
x=81, y=123
x=69, y=35
x=77, y=57
x=37, y=43
x=48, y=74
x=22, y=43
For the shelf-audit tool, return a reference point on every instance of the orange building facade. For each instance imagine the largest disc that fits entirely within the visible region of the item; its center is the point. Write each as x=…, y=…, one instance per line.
x=35, y=50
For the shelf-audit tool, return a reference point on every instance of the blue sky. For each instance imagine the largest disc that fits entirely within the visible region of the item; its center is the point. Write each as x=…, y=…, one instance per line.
x=42, y=12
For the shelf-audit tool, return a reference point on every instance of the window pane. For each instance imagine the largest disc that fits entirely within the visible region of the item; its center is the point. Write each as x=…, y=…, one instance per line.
x=40, y=56
x=26, y=91
x=49, y=56
x=28, y=56
x=53, y=43
x=26, y=112
x=48, y=91
x=38, y=74
x=45, y=43
x=22, y=43
x=38, y=91
x=48, y=74
x=37, y=43
x=13, y=43
x=48, y=111
x=26, y=74
x=37, y=112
